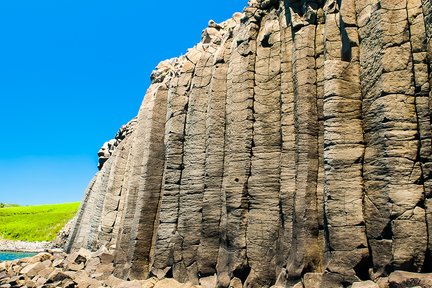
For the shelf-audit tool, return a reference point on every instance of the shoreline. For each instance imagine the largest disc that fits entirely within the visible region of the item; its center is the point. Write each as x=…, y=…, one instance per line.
x=23, y=246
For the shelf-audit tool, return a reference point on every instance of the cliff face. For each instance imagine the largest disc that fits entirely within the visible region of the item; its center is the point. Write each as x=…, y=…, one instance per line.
x=295, y=138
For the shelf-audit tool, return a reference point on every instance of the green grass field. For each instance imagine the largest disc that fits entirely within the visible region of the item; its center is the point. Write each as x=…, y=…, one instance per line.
x=35, y=223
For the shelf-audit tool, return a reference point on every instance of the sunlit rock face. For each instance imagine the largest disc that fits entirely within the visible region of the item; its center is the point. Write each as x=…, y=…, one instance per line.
x=295, y=138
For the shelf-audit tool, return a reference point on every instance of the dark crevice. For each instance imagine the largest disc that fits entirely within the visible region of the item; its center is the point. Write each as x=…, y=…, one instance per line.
x=281, y=214
x=421, y=204
x=265, y=41
x=362, y=268
x=242, y=273
x=346, y=53
x=361, y=224
x=427, y=264
x=408, y=265
x=169, y=273
x=387, y=233
x=203, y=275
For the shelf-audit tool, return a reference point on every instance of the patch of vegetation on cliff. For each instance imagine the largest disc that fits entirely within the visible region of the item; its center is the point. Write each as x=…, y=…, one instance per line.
x=35, y=223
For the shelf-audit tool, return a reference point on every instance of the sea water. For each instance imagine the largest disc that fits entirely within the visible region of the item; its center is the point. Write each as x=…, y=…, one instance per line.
x=8, y=256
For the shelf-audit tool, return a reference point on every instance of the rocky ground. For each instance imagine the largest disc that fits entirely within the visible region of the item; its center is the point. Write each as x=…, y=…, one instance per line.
x=22, y=246
x=79, y=269
x=87, y=269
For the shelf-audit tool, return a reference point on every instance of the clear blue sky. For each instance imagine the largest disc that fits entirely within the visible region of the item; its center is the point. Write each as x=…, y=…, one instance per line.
x=71, y=73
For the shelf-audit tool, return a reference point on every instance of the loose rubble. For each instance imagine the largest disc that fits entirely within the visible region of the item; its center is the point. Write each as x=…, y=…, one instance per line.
x=85, y=269
x=82, y=269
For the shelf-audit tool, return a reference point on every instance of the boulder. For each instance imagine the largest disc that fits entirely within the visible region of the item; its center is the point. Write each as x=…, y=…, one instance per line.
x=365, y=284
x=399, y=279
x=33, y=269
x=57, y=276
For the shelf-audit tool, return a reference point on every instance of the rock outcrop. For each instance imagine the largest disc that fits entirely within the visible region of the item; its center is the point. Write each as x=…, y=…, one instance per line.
x=108, y=147
x=294, y=140
x=63, y=235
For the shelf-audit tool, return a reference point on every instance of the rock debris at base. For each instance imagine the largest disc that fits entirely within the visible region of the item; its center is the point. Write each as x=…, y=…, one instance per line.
x=81, y=269
x=85, y=269
x=295, y=138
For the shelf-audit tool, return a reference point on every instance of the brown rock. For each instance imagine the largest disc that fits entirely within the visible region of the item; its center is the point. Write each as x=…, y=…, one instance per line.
x=41, y=257
x=92, y=265
x=33, y=269
x=68, y=283
x=82, y=279
x=41, y=281
x=45, y=272
x=57, y=275
x=312, y=280
x=235, y=283
x=58, y=263
x=409, y=279
x=208, y=282
x=365, y=284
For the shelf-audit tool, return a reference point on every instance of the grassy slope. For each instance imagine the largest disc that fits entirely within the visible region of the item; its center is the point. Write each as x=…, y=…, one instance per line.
x=35, y=223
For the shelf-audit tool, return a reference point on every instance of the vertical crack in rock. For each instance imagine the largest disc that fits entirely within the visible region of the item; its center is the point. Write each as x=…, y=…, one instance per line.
x=294, y=141
x=343, y=149
x=75, y=237
x=287, y=157
x=426, y=9
x=391, y=142
x=150, y=182
x=376, y=215
x=92, y=217
x=418, y=42
x=167, y=238
x=192, y=181
x=319, y=64
x=263, y=184
x=305, y=251
x=239, y=128
x=139, y=186
x=214, y=157
x=113, y=205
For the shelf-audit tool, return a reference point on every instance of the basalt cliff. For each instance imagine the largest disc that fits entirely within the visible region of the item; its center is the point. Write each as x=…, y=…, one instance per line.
x=295, y=138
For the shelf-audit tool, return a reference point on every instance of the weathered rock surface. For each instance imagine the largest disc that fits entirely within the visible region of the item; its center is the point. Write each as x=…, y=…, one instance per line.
x=293, y=141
